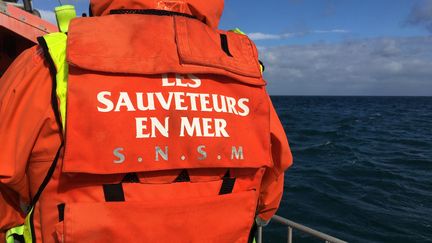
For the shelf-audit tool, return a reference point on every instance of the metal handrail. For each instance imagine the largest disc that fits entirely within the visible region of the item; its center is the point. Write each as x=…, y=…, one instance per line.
x=293, y=225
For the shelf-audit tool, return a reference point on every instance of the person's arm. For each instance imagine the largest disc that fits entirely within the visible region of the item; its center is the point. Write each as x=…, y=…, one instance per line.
x=9, y=210
x=273, y=181
x=22, y=113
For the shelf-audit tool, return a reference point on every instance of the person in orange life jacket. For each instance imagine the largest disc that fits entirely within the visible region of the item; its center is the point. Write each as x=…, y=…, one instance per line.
x=142, y=43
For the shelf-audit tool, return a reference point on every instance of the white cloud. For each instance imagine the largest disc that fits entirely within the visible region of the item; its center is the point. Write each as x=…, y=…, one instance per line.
x=263, y=36
x=394, y=66
x=380, y=66
x=267, y=36
x=48, y=15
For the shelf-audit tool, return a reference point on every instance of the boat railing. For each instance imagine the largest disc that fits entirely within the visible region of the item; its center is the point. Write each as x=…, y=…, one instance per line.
x=293, y=225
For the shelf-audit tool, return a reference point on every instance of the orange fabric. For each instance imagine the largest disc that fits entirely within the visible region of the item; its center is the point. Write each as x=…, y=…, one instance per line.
x=208, y=12
x=182, y=51
x=273, y=180
x=28, y=133
x=30, y=138
x=219, y=109
x=188, y=219
x=9, y=210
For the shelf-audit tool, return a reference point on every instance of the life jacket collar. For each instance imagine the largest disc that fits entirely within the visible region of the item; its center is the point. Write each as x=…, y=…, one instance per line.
x=208, y=12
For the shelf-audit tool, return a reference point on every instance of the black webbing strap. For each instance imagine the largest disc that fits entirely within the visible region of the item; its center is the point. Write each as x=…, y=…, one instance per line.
x=54, y=105
x=47, y=177
x=227, y=184
x=53, y=71
x=131, y=178
x=224, y=44
x=113, y=192
x=61, y=208
x=56, y=111
x=183, y=176
x=42, y=187
x=157, y=12
x=90, y=11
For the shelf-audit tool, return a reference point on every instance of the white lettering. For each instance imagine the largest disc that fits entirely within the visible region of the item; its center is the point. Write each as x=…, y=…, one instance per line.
x=193, y=97
x=243, y=106
x=165, y=81
x=231, y=105
x=163, y=129
x=205, y=100
x=220, y=125
x=164, y=103
x=196, y=81
x=179, y=81
x=223, y=107
x=124, y=100
x=238, y=154
x=163, y=154
x=120, y=156
x=108, y=103
x=202, y=127
x=191, y=129
x=207, y=127
x=201, y=151
x=140, y=127
x=179, y=101
x=150, y=102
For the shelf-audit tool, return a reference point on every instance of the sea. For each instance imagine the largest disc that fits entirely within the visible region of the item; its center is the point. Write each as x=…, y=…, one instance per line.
x=362, y=168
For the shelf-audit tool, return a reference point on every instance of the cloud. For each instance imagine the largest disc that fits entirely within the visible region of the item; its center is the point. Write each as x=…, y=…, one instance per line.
x=266, y=36
x=48, y=15
x=263, y=36
x=421, y=14
x=382, y=66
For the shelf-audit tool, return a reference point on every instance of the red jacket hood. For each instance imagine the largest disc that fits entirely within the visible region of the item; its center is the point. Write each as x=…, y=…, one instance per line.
x=207, y=11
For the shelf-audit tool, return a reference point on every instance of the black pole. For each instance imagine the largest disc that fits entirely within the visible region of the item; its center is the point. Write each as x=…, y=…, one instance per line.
x=28, y=6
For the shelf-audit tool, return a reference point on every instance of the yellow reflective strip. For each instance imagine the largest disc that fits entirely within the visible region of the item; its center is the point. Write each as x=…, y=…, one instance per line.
x=64, y=14
x=27, y=228
x=56, y=43
x=19, y=230
x=238, y=31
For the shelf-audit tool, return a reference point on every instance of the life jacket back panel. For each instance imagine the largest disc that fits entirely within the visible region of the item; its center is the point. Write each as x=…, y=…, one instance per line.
x=121, y=124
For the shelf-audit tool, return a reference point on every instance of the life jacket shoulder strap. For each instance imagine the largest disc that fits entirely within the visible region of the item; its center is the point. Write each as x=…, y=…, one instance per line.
x=54, y=47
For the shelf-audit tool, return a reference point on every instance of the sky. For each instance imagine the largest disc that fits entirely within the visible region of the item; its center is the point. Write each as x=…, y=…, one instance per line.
x=331, y=47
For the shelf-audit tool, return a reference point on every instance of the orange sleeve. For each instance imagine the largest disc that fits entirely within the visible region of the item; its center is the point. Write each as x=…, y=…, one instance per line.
x=22, y=114
x=273, y=181
x=11, y=215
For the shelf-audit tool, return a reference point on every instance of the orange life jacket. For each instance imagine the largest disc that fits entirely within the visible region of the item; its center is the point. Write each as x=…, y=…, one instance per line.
x=166, y=137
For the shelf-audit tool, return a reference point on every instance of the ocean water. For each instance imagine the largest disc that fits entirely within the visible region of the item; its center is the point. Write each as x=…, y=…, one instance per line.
x=362, y=168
